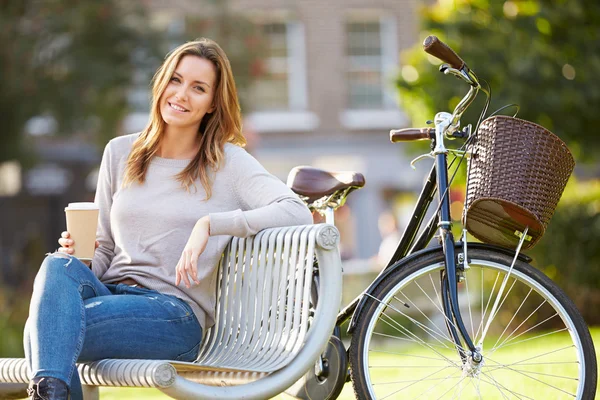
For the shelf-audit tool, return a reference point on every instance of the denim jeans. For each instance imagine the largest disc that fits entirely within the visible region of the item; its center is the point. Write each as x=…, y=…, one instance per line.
x=75, y=317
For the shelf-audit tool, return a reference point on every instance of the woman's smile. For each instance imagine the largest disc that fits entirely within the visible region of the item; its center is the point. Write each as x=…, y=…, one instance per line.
x=177, y=107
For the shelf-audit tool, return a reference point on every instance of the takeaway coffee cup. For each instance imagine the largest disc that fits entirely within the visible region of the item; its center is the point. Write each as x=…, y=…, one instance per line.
x=82, y=221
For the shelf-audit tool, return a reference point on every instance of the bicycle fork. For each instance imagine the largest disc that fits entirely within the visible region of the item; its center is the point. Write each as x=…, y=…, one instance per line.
x=449, y=279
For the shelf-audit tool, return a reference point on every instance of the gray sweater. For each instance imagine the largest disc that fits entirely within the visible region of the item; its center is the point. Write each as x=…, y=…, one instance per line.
x=143, y=229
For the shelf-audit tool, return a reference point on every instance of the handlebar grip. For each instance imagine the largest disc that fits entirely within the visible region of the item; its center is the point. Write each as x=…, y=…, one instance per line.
x=410, y=134
x=434, y=46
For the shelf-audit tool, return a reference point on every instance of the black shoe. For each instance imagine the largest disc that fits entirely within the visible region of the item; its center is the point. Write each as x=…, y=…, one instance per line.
x=46, y=388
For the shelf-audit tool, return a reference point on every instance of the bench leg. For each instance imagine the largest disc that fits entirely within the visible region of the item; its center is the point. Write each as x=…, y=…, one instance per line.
x=90, y=392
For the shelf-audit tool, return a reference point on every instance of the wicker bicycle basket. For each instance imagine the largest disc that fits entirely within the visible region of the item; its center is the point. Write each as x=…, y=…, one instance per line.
x=517, y=173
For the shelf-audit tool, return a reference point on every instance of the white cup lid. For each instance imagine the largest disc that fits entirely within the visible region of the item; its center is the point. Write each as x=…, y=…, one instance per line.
x=82, y=206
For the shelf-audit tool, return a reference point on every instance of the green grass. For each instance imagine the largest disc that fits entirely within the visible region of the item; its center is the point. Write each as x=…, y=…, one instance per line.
x=521, y=351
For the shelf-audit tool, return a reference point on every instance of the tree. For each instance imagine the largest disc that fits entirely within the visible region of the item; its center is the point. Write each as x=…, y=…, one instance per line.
x=541, y=54
x=71, y=61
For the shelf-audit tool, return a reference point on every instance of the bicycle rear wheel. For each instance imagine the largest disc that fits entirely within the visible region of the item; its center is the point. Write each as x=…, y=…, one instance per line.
x=535, y=346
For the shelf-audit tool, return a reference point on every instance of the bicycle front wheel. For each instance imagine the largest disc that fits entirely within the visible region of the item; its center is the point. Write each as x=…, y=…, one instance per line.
x=534, y=342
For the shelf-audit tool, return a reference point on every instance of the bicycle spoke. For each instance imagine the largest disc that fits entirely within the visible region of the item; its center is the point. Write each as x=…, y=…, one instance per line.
x=498, y=385
x=469, y=302
x=422, y=313
x=406, y=387
x=528, y=339
x=423, y=343
x=495, y=384
x=551, y=363
x=438, y=308
x=427, y=329
x=484, y=313
x=496, y=307
x=537, y=380
x=403, y=354
x=491, y=317
x=456, y=395
x=419, y=340
x=513, y=317
x=531, y=358
x=413, y=380
x=400, y=338
x=437, y=295
x=434, y=386
x=409, y=366
x=477, y=385
x=522, y=333
x=552, y=375
x=521, y=324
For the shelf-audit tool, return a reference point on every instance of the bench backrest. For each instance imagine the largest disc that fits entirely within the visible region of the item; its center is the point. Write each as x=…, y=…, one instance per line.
x=263, y=299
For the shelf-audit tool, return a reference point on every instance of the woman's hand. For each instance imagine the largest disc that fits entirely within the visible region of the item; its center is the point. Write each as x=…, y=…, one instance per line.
x=67, y=244
x=188, y=262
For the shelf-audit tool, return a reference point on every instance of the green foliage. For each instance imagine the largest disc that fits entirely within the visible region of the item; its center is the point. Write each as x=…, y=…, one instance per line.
x=542, y=55
x=72, y=60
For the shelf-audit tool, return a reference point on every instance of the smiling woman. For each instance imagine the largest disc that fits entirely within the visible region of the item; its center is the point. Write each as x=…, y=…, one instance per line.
x=170, y=198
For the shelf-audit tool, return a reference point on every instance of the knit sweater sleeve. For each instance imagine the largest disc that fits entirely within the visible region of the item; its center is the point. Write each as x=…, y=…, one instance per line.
x=264, y=201
x=104, y=197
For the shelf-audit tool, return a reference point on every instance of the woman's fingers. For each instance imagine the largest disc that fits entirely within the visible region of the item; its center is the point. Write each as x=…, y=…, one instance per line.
x=66, y=242
x=185, y=269
x=194, y=267
x=177, y=273
x=97, y=244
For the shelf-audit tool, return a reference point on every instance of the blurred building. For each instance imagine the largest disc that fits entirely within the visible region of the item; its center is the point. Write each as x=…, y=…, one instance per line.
x=326, y=97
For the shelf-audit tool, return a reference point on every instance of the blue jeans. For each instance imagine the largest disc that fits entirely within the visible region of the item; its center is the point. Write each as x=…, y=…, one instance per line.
x=75, y=317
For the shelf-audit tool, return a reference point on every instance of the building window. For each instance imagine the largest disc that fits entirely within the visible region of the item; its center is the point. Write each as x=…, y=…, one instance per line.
x=270, y=91
x=282, y=84
x=371, y=53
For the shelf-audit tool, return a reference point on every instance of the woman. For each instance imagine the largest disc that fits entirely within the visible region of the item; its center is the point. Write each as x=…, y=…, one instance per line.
x=170, y=198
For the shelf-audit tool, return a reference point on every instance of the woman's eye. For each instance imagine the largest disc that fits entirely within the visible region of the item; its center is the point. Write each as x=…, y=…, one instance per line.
x=200, y=88
x=174, y=79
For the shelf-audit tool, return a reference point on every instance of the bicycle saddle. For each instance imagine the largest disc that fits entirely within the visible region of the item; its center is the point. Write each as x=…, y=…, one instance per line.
x=315, y=183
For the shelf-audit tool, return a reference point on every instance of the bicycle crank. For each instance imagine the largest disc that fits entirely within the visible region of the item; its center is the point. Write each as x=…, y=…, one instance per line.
x=327, y=383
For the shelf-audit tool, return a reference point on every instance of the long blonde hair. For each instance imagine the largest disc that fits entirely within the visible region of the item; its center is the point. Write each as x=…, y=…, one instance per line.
x=223, y=125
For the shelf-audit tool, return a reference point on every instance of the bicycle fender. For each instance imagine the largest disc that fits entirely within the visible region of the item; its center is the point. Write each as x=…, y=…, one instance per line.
x=430, y=250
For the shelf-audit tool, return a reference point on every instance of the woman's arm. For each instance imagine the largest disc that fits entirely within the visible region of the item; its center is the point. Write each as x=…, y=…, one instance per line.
x=265, y=201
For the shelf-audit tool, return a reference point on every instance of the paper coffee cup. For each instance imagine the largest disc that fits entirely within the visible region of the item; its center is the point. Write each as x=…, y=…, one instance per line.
x=82, y=222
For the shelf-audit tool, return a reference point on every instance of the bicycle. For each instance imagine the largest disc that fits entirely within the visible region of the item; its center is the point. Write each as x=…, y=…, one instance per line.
x=441, y=322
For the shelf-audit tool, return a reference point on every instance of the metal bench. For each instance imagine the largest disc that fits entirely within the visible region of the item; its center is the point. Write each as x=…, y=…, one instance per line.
x=265, y=337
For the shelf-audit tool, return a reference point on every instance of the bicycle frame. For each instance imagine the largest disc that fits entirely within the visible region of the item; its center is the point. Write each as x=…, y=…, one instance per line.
x=445, y=125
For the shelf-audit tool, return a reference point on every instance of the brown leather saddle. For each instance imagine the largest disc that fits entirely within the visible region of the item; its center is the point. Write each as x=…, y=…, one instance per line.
x=314, y=183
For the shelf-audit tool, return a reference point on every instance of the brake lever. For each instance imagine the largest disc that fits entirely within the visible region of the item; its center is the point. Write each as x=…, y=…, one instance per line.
x=422, y=156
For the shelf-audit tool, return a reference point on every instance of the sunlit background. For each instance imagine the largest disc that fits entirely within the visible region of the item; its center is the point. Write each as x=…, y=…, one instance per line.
x=321, y=84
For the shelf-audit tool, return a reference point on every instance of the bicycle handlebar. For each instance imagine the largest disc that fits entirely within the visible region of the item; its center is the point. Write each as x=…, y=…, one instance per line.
x=434, y=46
x=410, y=134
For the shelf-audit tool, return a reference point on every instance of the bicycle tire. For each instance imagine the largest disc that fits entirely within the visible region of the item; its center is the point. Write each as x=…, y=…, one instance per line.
x=378, y=372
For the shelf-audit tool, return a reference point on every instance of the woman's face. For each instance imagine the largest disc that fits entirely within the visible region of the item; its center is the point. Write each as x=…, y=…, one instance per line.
x=190, y=92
